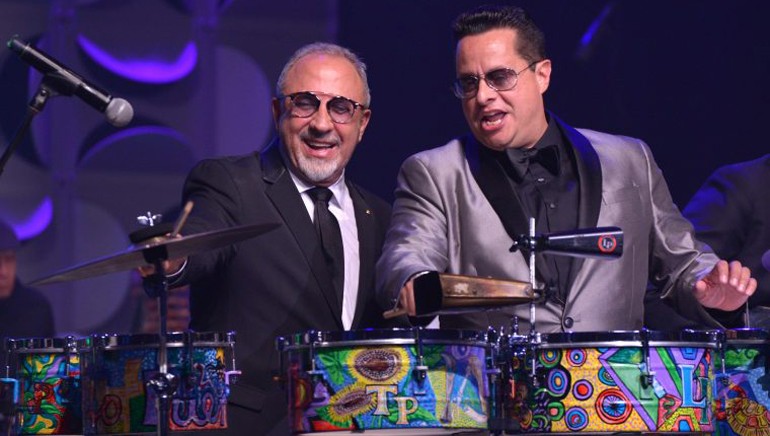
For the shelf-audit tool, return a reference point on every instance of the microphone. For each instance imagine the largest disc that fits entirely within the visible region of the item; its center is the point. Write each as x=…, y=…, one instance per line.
x=766, y=260
x=118, y=111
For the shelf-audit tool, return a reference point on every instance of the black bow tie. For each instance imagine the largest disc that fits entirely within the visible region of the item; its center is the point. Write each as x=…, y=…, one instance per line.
x=547, y=157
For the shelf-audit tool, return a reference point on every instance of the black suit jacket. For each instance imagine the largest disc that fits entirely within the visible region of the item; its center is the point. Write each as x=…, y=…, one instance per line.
x=275, y=284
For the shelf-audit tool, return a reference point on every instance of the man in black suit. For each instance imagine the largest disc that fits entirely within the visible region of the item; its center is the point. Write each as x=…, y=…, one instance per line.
x=281, y=282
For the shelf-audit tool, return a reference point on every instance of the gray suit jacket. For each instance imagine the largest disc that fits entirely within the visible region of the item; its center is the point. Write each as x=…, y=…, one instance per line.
x=442, y=221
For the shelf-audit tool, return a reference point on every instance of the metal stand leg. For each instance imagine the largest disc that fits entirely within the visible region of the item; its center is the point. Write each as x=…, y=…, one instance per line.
x=164, y=383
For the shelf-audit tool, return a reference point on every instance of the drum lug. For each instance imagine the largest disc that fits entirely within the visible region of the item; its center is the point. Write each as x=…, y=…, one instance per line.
x=648, y=378
x=722, y=378
x=420, y=374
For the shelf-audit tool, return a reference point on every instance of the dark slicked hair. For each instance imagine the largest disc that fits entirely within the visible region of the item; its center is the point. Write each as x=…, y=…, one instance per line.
x=530, y=39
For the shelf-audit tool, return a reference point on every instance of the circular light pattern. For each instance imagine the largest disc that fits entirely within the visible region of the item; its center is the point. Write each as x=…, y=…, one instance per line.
x=606, y=378
x=576, y=357
x=613, y=407
x=582, y=390
x=550, y=358
x=555, y=410
x=558, y=382
x=576, y=419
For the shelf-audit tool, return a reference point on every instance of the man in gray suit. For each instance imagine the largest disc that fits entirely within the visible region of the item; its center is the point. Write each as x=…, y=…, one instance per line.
x=459, y=207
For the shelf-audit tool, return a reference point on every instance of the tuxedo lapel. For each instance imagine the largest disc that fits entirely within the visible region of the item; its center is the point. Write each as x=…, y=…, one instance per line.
x=283, y=193
x=589, y=172
x=491, y=174
x=491, y=177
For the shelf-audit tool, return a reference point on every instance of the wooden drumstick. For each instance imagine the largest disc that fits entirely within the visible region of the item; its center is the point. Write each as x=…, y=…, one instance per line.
x=181, y=220
x=392, y=313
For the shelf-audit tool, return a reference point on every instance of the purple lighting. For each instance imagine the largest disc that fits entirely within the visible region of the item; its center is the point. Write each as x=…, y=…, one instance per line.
x=38, y=220
x=134, y=132
x=156, y=71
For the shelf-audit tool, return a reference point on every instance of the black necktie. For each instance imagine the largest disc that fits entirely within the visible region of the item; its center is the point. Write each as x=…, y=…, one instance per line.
x=328, y=231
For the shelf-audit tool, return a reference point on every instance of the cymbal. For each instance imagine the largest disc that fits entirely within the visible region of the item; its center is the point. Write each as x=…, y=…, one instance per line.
x=138, y=255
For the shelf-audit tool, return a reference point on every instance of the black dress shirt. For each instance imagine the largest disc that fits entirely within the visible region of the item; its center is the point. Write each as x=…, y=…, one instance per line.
x=545, y=181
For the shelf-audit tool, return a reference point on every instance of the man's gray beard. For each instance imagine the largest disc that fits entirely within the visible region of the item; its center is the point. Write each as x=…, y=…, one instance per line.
x=317, y=170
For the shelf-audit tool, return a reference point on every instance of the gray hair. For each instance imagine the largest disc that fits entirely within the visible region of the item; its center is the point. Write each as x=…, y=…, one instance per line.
x=331, y=50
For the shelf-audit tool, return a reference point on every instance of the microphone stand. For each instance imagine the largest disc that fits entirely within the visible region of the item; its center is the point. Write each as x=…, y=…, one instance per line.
x=45, y=90
x=163, y=383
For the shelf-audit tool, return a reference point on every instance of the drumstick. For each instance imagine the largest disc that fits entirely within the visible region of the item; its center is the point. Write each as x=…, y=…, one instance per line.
x=181, y=220
x=392, y=313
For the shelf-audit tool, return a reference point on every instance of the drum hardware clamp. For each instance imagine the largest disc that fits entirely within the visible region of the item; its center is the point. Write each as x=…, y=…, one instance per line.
x=420, y=369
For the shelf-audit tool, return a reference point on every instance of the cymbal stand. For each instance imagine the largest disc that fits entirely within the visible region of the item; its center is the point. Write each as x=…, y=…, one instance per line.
x=163, y=383
x=529, y=243
x=533, y=336
x=45, y=90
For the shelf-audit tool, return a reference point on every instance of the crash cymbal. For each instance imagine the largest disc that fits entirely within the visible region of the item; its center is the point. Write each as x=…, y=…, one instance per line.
x=143, y=254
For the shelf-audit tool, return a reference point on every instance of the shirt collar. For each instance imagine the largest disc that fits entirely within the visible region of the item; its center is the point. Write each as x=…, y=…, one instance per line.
x=339, y=188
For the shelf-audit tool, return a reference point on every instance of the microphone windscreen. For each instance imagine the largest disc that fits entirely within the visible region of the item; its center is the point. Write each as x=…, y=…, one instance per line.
x=119, y=112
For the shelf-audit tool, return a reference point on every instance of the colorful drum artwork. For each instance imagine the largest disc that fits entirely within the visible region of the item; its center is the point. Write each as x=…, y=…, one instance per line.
x=635, y=381
x=400, y=381
x=48, y=372
x=742, y=384
x=116, y=372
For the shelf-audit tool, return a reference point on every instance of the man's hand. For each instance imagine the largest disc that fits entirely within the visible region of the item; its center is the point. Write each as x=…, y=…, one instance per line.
x=726, y=287
x=171, y=267
x=406, y=298
x=405, y=304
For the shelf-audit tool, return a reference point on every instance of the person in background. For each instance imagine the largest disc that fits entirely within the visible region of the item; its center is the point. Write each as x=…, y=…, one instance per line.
x=24, y=312
x=731, y=213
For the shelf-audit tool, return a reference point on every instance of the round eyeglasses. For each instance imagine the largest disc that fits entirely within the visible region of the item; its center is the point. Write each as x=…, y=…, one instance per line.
x=501, y=79
x=305, y=103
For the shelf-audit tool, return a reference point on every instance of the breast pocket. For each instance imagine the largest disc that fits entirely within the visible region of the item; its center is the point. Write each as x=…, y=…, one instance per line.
x=622, y=195
x=623, y=208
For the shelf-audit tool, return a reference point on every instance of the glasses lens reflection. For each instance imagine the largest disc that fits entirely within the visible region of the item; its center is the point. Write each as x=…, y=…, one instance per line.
x=305, y=104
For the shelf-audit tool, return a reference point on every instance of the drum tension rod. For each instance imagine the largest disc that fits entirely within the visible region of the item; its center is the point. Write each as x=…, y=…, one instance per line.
x=722, y=377
x=648, y=375
x=420, y=370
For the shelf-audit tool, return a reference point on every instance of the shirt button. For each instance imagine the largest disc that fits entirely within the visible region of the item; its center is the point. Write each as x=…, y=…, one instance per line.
x=568, y=322
x=552, y=205
x=541, y=180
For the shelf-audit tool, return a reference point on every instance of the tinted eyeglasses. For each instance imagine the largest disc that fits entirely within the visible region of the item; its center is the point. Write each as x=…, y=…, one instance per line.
x=305, y=103
x=501, y=79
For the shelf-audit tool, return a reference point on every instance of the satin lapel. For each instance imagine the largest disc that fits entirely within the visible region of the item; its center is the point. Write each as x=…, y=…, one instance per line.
x=366, y=223
x=287, y=200
x=589, y=172
x=488, y=172
x=494, y=183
